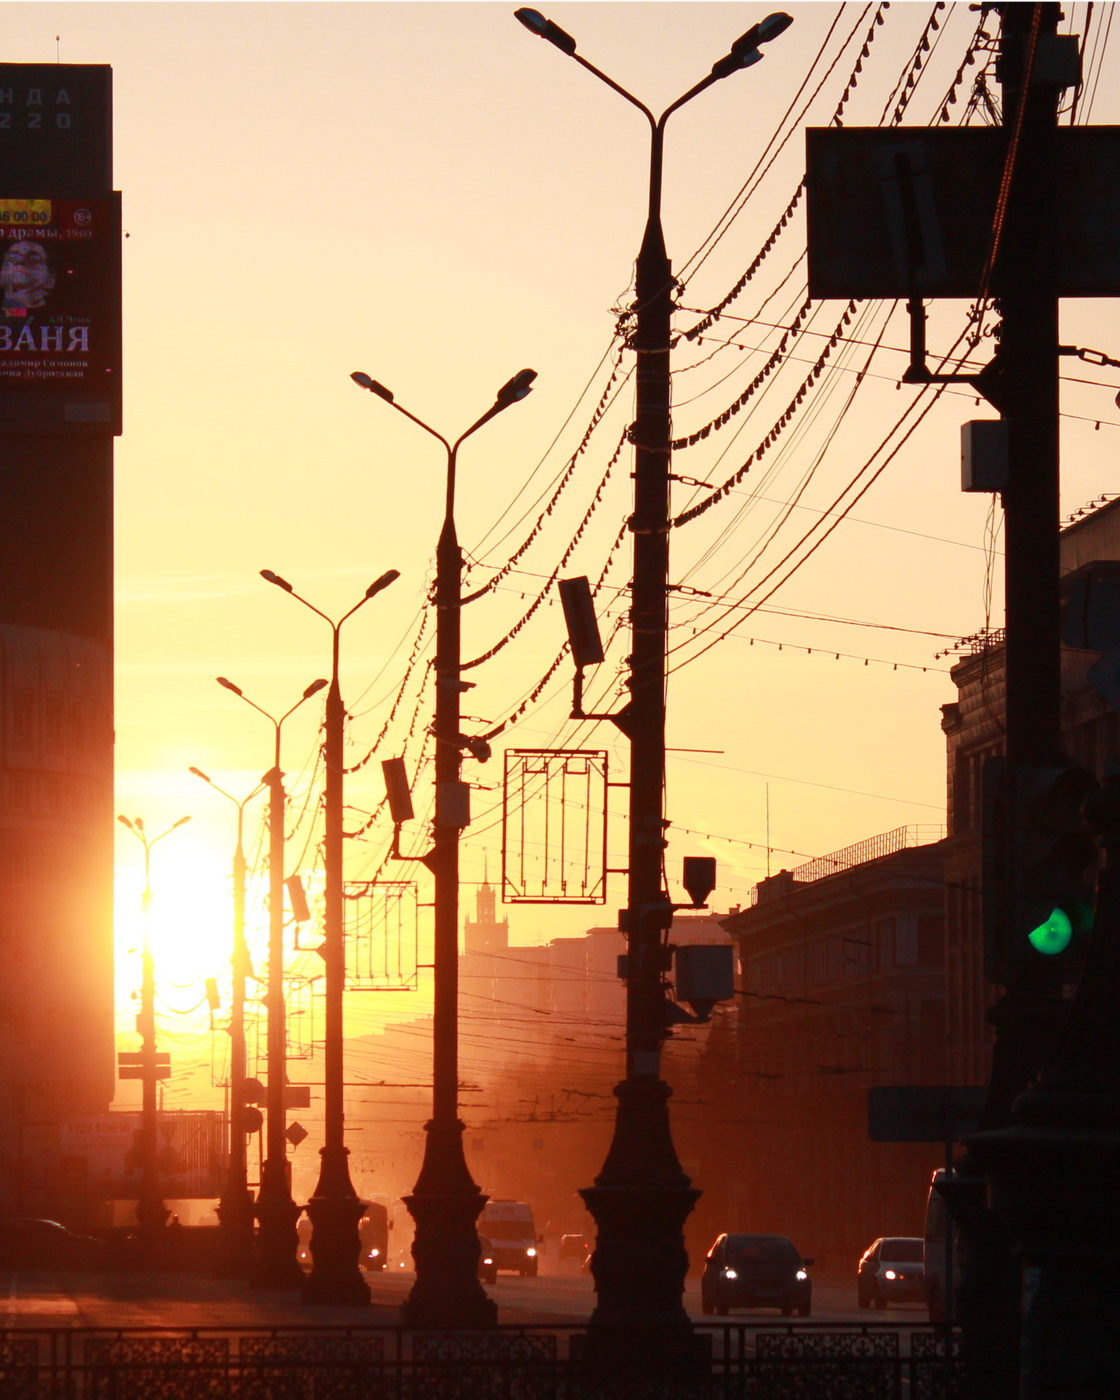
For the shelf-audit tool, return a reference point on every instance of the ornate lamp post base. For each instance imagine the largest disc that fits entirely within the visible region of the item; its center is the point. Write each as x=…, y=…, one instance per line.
x=236, y=1215
x=277, y=1239
x=639, y=1203
x=335, y=1246
x=152, y=1216
x=445, y=1206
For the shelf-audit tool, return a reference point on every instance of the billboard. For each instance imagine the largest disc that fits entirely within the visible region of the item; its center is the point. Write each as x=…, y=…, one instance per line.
x=101, y=1154
x=60, y=329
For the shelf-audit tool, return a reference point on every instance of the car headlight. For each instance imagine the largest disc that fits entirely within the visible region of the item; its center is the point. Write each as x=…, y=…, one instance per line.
x=890, y=1273
x=488, y=1261
x=374, y=1253
x=532, y=1253
x=801, y=1274
x=731, y=1273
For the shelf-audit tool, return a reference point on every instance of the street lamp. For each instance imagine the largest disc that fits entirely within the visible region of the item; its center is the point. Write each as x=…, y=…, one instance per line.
x=445, y=1203
x=277, y=1242
x=642, y=1197
x=235, y=1209
x=334, y=1208
x=151, y=1213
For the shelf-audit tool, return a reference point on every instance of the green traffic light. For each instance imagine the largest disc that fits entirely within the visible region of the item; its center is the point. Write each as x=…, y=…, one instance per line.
x=1054, y=935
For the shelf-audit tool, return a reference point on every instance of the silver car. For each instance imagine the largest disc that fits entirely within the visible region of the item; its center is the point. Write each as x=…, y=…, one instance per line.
x=892, y=1270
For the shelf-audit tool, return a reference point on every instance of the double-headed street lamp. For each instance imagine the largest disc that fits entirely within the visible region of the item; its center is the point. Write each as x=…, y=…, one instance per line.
x=235, y=1209
x=642, y=1197
x=151, y=1213
x=445, y=1202
x=276, y=1264
x=334, y=1208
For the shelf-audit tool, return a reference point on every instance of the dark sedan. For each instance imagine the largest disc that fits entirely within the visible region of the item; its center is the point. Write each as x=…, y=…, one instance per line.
x=756, y=1271
x=45, y=1244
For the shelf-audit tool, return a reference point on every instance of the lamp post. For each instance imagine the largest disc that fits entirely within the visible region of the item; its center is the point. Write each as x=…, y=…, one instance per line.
x=334, y=1208
x=445, y=1202
x=151, y=1213
x=235, y=1209
x=277, y=1242
x=642, y=1197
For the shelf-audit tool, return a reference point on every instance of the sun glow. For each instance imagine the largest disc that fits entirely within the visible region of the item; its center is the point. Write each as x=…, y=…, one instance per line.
x=189, y=919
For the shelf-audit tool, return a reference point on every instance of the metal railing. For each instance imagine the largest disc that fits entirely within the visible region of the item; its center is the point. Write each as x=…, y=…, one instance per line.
x=736, y=1361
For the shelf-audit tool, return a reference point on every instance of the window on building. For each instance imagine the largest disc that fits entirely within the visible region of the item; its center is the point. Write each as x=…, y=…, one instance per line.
x=53, y=714
x=882, y=937
x=906, y=940
x=23, y=716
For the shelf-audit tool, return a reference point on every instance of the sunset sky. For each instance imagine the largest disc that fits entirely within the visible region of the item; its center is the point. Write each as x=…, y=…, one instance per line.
x=428, y=193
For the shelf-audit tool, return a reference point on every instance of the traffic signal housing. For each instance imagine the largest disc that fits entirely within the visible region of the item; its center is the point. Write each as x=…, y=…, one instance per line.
x=1038, y=894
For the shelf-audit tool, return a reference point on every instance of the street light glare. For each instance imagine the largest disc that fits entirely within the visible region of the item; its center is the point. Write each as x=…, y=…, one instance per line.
x=229, y=685
x=390, y=576
x=536, y=23
x=277, y=580
x=361, y=378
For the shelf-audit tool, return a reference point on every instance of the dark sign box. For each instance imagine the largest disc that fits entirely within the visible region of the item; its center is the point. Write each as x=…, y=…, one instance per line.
x=56, y=127
x=60, y=319
x=907, y=211
x=923, y=1113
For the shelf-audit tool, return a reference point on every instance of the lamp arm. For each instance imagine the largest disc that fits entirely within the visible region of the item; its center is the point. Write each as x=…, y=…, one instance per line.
x=610, y=82
x=420, y=423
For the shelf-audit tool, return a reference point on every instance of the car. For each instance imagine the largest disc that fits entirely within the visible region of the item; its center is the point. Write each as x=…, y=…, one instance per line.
x=756, y=1271
x=46, y=1244
x=892, y=1270
x=574, y=1247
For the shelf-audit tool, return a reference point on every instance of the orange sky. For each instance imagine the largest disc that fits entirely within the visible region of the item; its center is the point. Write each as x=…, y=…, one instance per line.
x=426, y=192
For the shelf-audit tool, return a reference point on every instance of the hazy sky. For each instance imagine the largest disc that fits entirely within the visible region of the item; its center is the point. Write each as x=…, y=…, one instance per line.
x=428, y=193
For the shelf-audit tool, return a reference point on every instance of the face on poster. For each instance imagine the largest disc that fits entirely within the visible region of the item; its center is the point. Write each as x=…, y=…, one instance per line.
x=59, y=294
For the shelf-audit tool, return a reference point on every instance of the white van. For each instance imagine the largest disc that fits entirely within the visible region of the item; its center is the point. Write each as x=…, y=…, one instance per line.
x=937, y=1254
x=510, y=1237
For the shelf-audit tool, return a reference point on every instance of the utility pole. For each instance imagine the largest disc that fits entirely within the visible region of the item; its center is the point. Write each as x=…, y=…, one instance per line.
x=446, y=1201
x=642, y=1197
x=334, y=1209
x=235, y=1209
x=277, y=1241
x=1022, y=383
x=151, y=1213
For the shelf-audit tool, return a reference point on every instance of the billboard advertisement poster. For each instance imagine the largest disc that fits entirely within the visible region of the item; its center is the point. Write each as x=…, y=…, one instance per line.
x=103, y=1153
x=60, y=296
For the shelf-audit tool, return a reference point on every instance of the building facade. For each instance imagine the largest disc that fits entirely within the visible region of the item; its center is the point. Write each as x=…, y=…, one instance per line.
x=842, y=990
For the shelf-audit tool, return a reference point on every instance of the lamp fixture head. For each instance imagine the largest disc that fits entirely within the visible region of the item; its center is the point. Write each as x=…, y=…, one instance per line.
x=277, y=580
x=543, y=28
x=229, y=685
x=364, y=381
x=388, y=577
x=200, y=774
x=314, y=688
x=517, y=388
x=745, y=50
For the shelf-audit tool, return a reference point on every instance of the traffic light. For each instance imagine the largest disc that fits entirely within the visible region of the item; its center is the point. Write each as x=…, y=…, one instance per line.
x=1038, y=899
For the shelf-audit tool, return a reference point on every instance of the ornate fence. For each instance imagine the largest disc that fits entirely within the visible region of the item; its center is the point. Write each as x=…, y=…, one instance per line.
x=748, y=1362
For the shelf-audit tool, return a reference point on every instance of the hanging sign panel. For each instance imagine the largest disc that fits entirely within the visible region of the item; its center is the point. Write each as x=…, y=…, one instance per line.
x=908, y=211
